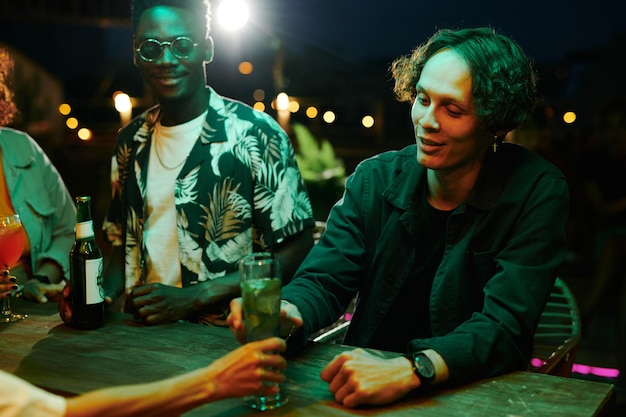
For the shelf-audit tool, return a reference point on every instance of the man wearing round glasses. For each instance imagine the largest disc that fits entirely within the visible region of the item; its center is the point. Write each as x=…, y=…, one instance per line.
x=198, y=181
x=172, y=46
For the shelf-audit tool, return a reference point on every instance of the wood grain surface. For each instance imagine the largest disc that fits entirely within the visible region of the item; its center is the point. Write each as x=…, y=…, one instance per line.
x=46, y=352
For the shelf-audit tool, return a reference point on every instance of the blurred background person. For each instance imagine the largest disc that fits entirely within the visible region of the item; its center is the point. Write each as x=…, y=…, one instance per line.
x=32, y=187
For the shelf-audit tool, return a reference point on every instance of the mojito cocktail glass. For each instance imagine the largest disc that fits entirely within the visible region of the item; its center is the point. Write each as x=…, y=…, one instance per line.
x=260, y=282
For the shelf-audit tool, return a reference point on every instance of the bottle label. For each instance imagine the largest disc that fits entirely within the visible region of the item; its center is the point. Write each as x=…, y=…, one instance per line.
x=84, y=229
x=94, y=293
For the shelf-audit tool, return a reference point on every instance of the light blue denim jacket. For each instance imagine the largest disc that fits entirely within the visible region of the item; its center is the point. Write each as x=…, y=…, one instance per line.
x=40, y=197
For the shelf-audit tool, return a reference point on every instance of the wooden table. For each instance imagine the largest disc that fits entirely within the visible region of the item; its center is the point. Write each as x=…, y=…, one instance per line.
x=44, y=351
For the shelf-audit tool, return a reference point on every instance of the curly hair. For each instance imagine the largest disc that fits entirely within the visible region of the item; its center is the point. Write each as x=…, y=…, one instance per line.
x=201, y=10
x=503, y=79
x=7, y=106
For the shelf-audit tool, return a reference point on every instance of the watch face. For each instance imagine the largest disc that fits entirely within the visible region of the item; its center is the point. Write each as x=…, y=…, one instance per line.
x=424, y=366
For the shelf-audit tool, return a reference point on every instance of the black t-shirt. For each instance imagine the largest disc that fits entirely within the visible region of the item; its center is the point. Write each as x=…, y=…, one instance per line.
x=409, y=316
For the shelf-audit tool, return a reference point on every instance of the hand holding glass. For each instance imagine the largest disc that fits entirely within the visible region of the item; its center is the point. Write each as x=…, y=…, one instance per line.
x=260, y=291
x=12, y=237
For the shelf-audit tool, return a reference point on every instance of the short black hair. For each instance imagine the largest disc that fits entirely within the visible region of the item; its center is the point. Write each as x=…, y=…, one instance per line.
x=201, y=10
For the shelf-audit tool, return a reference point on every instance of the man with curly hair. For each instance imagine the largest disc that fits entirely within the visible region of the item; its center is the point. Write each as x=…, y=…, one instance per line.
x=451, y=245
x=198, y=181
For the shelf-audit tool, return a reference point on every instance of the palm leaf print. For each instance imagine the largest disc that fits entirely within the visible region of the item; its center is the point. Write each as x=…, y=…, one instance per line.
x=113, y=232
x=226, y=108
x=217, y=150
x=233, y=250
x=119, y=169
x=205, y=274
x=248, y=151
x=141, y=137
x=134, y=243
x=143, y=133
x=303, y=209
x=225, y=214
x=283, y=203
x=286, y=151
x=207, y=132
x=268, y=180
x=133, y=228
x=141, y=180
x=268, y=146
x=189, y=251
x=185, y=189
x=239, y=205
x=292, y=229
x=272, y=146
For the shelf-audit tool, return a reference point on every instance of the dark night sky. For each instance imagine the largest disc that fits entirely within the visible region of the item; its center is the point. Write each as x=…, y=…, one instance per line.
x=546, y=29
x=355, y=29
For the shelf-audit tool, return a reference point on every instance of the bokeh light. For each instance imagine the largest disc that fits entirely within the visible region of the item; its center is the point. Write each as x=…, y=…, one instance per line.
x=65, y=109
x=311, y=112
x=294, y=106
x=259, y=94
x=84, y=134
x=282, y=101
x=72, y=123
x=329, y=116
x=367, y=121
x=569, y=117
x=122, y=102
x=246, y=68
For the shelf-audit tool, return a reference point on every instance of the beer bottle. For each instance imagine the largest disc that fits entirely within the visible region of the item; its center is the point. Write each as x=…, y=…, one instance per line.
x=87, y=297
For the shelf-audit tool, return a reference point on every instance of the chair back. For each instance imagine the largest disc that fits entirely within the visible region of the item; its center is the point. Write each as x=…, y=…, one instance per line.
x=558, y=333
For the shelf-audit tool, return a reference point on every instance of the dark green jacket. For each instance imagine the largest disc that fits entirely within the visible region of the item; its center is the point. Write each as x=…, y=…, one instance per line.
x=503, y=250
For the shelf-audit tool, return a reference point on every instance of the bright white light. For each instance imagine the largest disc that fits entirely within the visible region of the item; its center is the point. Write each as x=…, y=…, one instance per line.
x=282, y=101
x=84, y=134
x=122, y=102
x=124, y=106
x=233, y=14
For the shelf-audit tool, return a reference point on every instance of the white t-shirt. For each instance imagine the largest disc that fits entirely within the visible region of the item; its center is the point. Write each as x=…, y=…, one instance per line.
x=18, y=398
x=169, y=151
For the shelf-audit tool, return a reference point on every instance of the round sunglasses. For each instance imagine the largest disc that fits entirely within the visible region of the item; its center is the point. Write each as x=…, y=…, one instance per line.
x=152, y=49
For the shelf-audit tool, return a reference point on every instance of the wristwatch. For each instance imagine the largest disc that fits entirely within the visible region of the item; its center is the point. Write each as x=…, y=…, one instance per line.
x=423, y=368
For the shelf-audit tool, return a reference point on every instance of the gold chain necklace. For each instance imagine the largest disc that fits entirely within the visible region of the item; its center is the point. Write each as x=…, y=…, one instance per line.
x=156, y=150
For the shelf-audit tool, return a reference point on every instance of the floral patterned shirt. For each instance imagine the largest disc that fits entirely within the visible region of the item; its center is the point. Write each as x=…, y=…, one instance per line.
x=239, y=191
